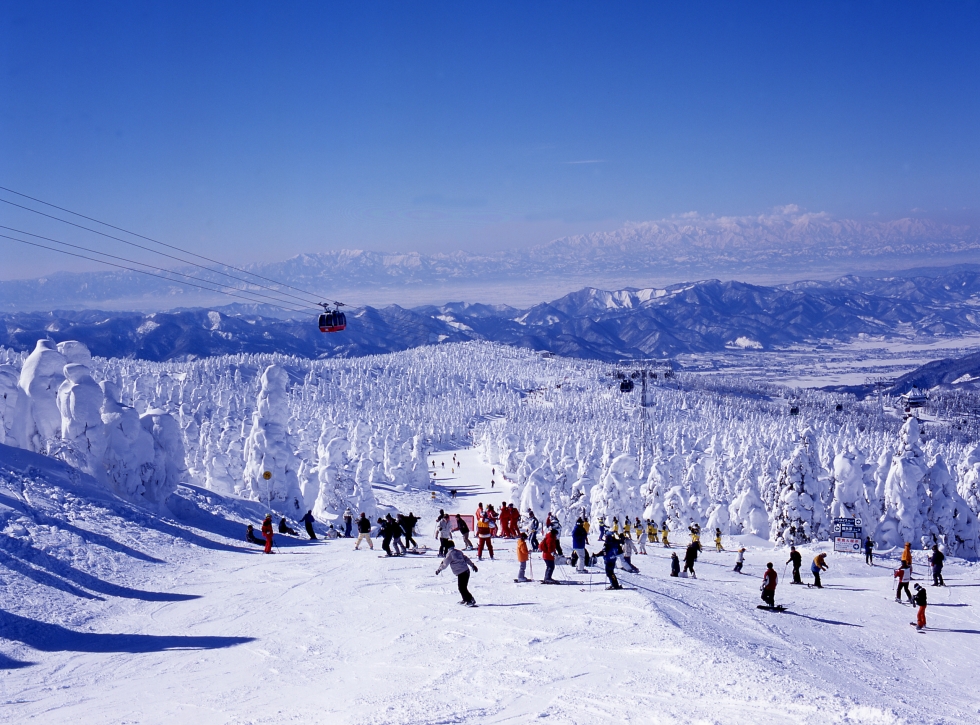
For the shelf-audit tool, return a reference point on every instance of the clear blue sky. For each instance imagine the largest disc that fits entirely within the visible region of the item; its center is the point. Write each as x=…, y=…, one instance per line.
x=260, y=130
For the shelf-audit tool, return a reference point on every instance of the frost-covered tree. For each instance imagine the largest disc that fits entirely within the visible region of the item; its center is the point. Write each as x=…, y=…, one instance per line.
x=269, y=449
x=9, y=394
x=129, y=448
x=166, y=468
x=83, y=434
x=798, y=515
x=905, y=498
x=37, y=407
x=851, y=487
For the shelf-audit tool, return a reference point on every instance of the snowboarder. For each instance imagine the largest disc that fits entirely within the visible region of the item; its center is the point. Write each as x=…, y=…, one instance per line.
x=769, y=586
x=250, y=536
x=548, y=554
x=819, y=564
x=718, y=546
x=267, y=533
x=739, y=560
x=308, y=522
x=348, y=521
x=900, y=573
x=464, y=531
x=580, y=538
x=444, y=531
x=869, y=551
x=629, y=548
x=675, y=564
x=936, y=561
x=460, y=565
x=796, y=559
x=610, y=553
x=522, y=557
x=284, y=528
x=691, y=556
x=921, y=600
x=363, y=532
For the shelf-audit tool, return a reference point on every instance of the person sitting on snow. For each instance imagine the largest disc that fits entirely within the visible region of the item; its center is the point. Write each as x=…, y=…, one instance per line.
x=250, y=536
x=332, y=533
x=285, y=529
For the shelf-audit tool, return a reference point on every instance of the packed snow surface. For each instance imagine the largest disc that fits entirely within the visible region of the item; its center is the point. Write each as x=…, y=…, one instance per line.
x=114, y=614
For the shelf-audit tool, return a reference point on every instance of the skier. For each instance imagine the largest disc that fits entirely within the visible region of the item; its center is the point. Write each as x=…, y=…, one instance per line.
x=769, y=586
x=610, y=553
x=675, y=564
x=514, y=518
x=663, y=534
x=548, y=554
x=691, y=556
x=900, y=574
x=652, y=533
x=921, y=600
x=641, y=537
x=444, y=531
x=532, y=527
x=348, y=521
x=695, y=529
x=615, y=525
x=869, y=551
x=267, y=533
x=491, y=517
x=718, y=546
x=797, y=561
x=936, y=561
x=740, y=560
x=819, y=564
x=460, y=565
x=363, y=532
x=602, y=528
x=907, y=558
x=397, y=532
x=522, y=556
x=464, y=531
x=483, y=537
x=580, y=538
x=627, y=528
x=284, y=528
x=308, y=522
x=629, y=548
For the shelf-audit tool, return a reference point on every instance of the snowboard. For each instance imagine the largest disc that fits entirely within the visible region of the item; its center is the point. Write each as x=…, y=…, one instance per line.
x=777, y=608
x=526, y=581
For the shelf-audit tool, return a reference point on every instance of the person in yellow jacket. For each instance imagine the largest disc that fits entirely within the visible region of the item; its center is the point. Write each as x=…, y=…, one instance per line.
x=819, y=564
x=653, y=533
x=522, y=557
x=907, y=560
x=663, y=535
x=718, y=546
x=615, y=526
x=627, y=528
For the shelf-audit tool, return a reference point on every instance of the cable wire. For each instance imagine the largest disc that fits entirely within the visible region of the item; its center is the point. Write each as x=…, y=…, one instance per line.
x=155, y=241
x=142, y=271
x=218, y=286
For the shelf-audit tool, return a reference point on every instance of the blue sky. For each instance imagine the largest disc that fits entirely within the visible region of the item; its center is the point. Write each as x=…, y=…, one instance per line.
x=255, y=131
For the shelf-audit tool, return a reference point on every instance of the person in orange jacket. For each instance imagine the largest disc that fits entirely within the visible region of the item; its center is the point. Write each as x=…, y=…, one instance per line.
x=907, y=560
x=267, y=533
x=522, y=557
x=548, y=546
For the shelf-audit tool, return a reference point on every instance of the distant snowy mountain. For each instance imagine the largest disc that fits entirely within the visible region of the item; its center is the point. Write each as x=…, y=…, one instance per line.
x=591, y=323
x=689, y=246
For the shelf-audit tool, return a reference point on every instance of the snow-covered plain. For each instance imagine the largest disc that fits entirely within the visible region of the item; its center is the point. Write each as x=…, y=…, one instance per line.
x=129, y=595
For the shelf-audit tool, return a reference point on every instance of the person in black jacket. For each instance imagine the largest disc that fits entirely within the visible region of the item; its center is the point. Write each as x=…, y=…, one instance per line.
x=308, y=522
x=936, y=559
x=464, y=531
x=363, y=532
x=691, y=556
x=408, y=525
x=920, y=600
x=610, y=553
x=284, y=528
x=797, y=560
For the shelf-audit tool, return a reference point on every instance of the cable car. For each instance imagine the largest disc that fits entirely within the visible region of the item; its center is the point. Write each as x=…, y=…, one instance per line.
x=626, y=386
x=332, y=320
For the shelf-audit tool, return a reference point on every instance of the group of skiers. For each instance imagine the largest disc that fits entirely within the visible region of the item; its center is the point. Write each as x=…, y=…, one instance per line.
x=284, y=528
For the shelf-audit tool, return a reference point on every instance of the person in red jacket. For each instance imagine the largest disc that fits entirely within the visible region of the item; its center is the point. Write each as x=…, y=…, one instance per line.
x=769, y=585
x=267, y=532
x=548, y=547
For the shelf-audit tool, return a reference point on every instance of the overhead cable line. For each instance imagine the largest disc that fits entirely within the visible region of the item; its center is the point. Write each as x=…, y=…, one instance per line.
x=163, y=244
x=143, y=271
x=218, y=286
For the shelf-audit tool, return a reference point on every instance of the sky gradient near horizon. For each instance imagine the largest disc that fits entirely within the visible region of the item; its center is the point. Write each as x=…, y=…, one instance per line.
x=254, y=131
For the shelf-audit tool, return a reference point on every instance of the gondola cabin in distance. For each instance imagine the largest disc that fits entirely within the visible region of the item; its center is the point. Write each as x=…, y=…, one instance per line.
x=332, y=320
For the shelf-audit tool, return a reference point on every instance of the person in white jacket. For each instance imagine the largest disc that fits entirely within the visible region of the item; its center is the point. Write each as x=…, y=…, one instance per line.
x=460, y=565
x=444, y=532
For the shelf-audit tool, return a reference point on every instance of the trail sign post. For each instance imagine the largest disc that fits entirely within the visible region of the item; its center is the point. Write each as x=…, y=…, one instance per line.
x=848, y=535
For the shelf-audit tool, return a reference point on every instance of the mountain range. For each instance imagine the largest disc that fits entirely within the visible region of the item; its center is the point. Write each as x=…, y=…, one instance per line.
x=787, y=242
x=592, y=323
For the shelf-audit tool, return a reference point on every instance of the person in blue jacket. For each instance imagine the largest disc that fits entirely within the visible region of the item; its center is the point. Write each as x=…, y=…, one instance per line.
x=610, y=553
x=580, y=537
x=308, y=522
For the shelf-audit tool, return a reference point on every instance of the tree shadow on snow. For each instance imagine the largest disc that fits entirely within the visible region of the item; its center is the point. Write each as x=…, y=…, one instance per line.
x=45, y=569
x=9, y=663
x=821, y=620
x=89, y=537
x=55, y=638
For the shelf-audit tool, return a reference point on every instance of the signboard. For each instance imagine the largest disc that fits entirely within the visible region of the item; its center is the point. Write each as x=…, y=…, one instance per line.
x=847, y=545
